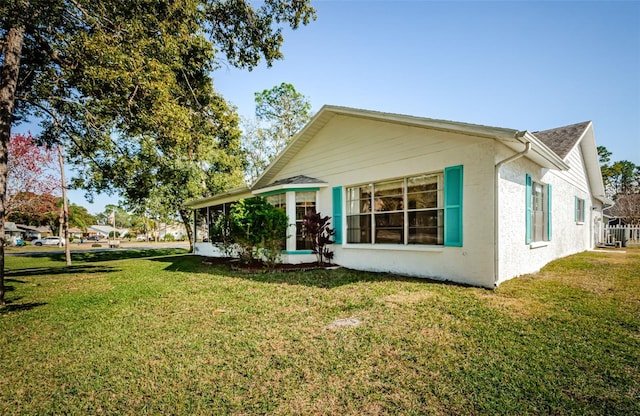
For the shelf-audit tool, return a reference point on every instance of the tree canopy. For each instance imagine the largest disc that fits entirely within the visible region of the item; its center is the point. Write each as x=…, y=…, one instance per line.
x=622, y=185
x=31, y=173
x=125, y=84
x=281, y=112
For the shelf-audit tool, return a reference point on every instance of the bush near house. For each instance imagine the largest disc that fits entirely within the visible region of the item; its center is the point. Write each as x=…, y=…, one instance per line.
x=259, y=229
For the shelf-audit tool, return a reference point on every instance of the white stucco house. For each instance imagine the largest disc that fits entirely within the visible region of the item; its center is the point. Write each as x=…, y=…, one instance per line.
x=432, y=198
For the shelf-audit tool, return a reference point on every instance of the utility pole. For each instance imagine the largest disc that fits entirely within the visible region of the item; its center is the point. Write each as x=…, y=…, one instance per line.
x=64, y=215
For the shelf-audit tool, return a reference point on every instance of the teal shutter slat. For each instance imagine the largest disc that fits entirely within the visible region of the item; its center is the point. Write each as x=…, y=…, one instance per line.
x=453, y=181
x=337, y=214
x=528, y=210
x=549, y=212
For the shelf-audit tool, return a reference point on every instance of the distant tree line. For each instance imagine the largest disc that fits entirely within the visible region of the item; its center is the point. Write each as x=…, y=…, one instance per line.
x=622, y=185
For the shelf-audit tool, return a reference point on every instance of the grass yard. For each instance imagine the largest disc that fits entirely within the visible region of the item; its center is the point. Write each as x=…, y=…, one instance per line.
x=161, y=333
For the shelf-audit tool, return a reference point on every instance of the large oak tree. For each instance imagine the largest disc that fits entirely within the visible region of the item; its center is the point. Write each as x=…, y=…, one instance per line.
x=125, y=85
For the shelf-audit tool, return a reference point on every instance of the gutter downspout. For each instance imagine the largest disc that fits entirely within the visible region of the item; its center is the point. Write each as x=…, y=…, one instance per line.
x=496, y=200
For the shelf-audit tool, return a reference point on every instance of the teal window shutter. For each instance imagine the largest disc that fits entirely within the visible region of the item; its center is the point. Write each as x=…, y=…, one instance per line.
x=576, y=217
x=549, y=212
x=337, y=214
x=528, y=210
x=453, y=181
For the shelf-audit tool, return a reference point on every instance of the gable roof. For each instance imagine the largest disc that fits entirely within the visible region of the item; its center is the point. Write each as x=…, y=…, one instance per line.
x=296, y=180
x=540, y=153
x=563, y=139
x=548, y=148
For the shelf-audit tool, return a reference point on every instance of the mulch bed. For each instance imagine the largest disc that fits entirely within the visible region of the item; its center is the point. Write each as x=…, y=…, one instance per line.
x=259, y=266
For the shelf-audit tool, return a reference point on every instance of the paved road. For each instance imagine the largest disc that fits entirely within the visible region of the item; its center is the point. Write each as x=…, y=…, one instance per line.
x=87, y=247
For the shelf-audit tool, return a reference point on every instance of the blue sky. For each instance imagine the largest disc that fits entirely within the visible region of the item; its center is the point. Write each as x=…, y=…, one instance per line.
x=522, y=65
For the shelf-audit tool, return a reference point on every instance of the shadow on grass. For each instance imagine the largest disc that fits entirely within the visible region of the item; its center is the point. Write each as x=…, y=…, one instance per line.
x=39, y=271
x=10, y=307
x=112, y=254
x=316, y=277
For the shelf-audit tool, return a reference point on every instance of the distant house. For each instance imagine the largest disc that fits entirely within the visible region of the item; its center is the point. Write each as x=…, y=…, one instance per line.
x=11, y=233
x=104, y=230
x=431, y=198
x=75, y=232
x=176, y=231
x=29, y=233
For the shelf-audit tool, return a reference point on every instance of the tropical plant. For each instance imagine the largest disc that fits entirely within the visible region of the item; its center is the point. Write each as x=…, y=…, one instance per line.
x=316, y=228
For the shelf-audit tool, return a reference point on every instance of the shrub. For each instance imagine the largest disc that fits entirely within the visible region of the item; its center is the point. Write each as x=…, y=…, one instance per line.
x=169, y=237
x=257, y=227
x=96, y=245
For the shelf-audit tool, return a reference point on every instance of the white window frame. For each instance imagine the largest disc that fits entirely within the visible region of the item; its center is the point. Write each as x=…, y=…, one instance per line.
x=352, y=204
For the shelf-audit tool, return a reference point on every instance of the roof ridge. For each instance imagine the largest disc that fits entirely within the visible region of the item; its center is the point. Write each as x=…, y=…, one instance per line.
x=563, y=127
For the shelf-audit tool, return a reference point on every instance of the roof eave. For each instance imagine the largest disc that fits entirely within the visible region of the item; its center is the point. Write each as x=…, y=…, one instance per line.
x=592, y=165
x=541, y=154
x=223, y=198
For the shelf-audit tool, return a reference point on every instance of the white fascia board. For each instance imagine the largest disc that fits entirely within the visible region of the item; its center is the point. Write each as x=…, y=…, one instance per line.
x=592, y=165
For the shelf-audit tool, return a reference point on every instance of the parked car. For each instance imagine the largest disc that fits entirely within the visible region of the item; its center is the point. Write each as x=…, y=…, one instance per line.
x=93, y=238
x=49, y=241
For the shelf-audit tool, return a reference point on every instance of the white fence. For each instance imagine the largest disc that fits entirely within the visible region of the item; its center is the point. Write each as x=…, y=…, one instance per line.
x=625, y=234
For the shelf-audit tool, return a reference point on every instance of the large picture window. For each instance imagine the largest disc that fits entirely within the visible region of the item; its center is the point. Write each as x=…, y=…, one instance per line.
x=401, y=211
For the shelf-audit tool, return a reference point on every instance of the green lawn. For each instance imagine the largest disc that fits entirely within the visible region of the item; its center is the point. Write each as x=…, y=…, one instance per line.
x=161, y=333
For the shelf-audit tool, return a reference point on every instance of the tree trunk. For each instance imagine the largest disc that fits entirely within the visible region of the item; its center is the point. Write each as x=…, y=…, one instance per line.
x=8, y=83
x=186, y=220
x=64, y=217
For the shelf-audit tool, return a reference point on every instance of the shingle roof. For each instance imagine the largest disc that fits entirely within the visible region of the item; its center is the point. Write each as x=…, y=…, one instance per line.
x=562, y=139
x=295, y=180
